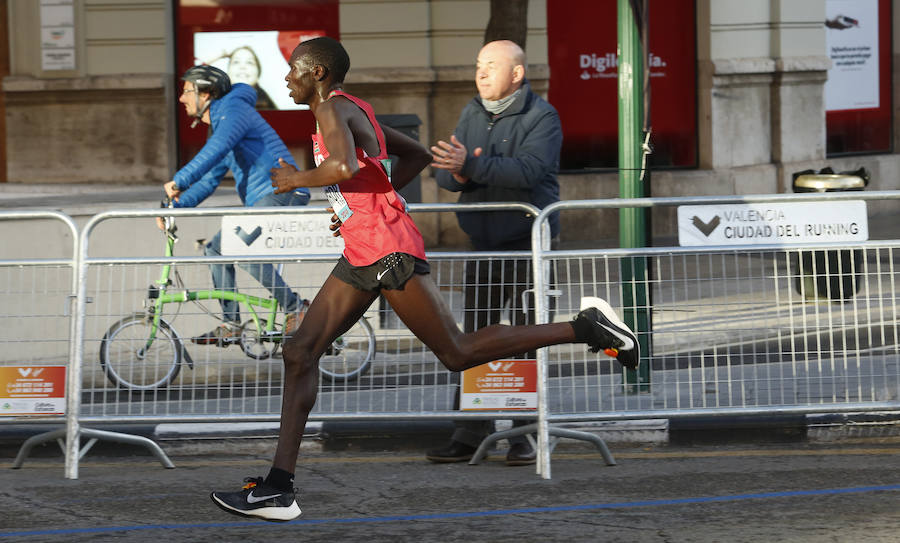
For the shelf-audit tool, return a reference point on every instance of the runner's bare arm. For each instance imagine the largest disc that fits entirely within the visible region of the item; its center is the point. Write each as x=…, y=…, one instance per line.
x=341, y=163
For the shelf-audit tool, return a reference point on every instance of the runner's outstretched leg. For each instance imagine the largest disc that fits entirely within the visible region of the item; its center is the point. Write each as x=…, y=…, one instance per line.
x=422, y=308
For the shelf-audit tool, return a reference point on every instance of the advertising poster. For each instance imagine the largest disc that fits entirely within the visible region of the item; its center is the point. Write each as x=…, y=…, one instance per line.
x=32, y=390
x=584, y=85
x=227, y=32
x=851, y=33
x=502, y=384
x=257, y=58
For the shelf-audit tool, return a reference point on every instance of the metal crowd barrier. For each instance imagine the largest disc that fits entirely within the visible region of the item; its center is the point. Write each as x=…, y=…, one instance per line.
x=223, y=384
x=733, y=330
x=36, y=288
x=37, y=294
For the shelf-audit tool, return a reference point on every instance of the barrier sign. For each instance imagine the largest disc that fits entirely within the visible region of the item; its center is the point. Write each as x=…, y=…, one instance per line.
x=32, y=390
x=502, y=384
x=279, y=235
x=785, y=223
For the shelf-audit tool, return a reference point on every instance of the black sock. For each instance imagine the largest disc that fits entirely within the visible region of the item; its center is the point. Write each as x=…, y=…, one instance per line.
x=583, y=330
x=280, y=480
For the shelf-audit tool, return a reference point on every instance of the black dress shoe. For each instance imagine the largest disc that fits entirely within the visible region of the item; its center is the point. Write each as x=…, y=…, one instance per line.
x=455, y=452
x=521, y=454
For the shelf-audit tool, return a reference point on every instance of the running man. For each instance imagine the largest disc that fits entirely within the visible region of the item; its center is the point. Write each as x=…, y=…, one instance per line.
x=384, y=253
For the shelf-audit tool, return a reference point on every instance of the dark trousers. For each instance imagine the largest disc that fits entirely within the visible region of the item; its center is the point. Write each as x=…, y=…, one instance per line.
x=493, y=287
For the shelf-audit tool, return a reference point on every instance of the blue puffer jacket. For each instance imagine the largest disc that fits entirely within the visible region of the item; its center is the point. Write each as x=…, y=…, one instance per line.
x=241, y=141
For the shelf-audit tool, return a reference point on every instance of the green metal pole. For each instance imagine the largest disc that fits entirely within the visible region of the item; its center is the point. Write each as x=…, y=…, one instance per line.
x=632, y=231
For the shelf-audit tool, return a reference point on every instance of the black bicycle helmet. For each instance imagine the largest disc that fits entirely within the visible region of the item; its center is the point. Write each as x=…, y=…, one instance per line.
x=208, y=79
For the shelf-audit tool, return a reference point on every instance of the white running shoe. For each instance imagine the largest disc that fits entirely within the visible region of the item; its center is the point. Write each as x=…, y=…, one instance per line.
x=609, y=333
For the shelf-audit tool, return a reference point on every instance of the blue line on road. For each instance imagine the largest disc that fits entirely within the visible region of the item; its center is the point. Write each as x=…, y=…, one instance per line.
x=446, y=516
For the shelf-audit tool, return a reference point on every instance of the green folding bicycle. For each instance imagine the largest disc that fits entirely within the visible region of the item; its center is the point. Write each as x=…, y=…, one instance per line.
x=142, y=351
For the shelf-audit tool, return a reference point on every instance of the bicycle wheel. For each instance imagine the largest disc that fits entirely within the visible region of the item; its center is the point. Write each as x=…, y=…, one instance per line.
x=350, y=355
x=130, y=363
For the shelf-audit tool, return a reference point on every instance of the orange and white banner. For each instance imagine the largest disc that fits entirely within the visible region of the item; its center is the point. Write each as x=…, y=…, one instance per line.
x=32, y=390
x=502, y=384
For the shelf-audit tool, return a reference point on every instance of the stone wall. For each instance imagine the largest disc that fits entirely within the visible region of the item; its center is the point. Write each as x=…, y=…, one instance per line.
x=102, y=129
x=761, y=73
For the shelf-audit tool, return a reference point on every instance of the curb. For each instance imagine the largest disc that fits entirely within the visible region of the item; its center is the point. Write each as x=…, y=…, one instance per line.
x=185, y=439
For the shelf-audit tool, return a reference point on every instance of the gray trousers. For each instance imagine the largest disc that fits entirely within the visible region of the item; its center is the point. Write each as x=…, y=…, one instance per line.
x=492, y=286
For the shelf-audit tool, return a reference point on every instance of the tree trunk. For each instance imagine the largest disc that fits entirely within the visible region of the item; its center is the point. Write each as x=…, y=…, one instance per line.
x=509, y=21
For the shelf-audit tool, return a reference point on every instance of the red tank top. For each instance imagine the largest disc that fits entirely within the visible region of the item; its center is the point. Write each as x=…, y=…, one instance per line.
x=375, y=223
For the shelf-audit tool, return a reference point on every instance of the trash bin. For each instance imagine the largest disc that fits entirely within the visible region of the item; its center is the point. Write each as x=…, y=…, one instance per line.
x=833, y=274
x=408, y=125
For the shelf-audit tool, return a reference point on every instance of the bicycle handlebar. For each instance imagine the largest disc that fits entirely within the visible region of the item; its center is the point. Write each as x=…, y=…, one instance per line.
x=169, y=221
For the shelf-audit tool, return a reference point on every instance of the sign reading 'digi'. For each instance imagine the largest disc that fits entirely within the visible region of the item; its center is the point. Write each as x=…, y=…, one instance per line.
x=502, y=384
x=279, y=235
x=32, y=390
x=776, y=223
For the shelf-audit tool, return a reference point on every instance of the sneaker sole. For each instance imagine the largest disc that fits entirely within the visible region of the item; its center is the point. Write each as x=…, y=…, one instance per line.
x=607, y=311
x=272, y=514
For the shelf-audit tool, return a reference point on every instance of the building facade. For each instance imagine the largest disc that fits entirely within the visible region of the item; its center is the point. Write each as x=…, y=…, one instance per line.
x=90, y=91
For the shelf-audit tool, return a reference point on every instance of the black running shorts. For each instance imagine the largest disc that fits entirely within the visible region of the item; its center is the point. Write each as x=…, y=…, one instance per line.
x=391, y=272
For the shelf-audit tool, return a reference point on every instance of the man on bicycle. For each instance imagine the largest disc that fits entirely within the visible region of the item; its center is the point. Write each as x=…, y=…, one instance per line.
x=239, y=140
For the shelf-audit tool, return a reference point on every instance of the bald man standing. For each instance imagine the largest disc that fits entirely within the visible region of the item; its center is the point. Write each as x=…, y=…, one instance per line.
x=505, y=149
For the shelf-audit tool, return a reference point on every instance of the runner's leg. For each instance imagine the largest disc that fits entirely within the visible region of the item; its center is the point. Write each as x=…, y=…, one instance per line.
x=333, y=311
x=422, y=308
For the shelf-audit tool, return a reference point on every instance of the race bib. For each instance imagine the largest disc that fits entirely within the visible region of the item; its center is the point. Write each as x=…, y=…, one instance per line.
x=338, y=202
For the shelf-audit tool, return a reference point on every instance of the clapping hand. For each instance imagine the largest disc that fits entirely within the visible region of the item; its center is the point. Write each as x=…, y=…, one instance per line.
x=452, y=156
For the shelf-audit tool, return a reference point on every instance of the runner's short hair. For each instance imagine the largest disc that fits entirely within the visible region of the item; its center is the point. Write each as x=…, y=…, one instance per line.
x=329, y=53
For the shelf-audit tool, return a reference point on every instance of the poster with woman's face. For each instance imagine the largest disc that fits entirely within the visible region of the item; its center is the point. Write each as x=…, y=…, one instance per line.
x=257, y=58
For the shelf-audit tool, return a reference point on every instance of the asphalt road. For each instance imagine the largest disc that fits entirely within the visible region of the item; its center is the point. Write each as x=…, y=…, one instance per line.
x=789, y=492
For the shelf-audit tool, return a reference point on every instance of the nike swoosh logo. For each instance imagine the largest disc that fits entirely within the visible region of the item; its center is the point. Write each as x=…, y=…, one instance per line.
x=256, y=499
x=380, y=274
x=629, y=344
